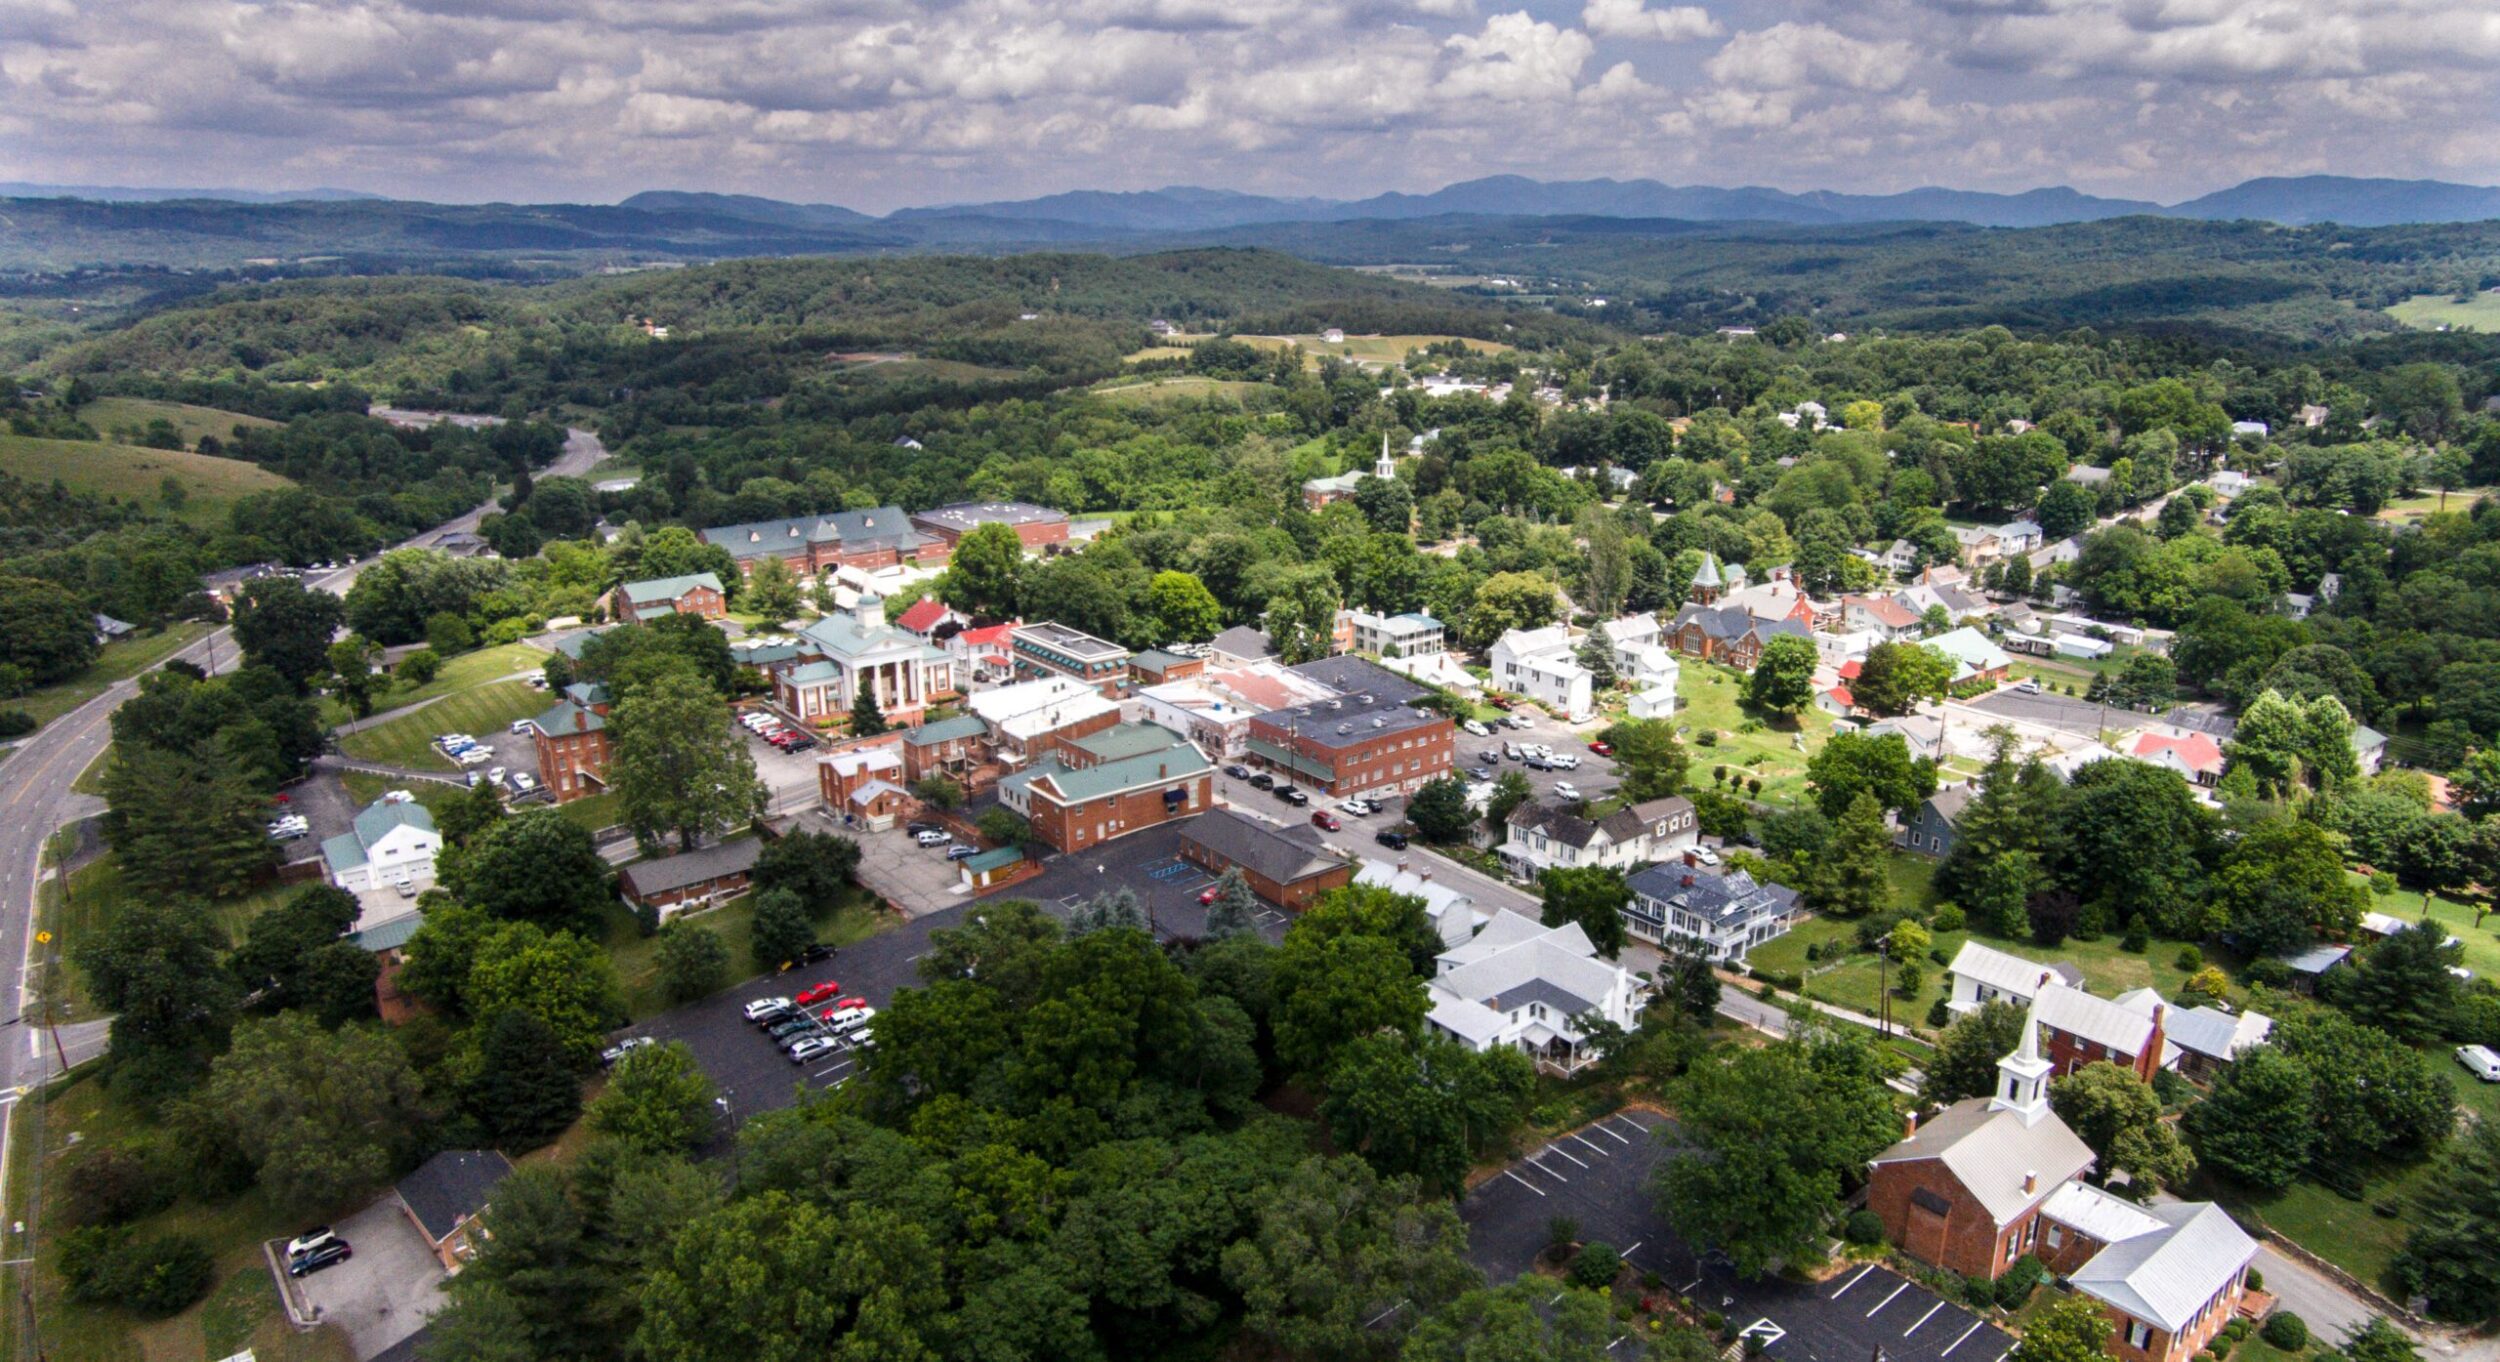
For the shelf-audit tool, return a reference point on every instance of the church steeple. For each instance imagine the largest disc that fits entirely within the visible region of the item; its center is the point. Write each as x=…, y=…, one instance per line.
x=2023, y=1077
x=1384, y=470
x=1707, y=583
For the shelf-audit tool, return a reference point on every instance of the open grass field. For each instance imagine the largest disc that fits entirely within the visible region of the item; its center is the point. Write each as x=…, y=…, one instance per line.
x=1776, y=753
x=96, y=893
x=114, y=415
x=1368, y=349
x=2481, y=313
x=134, y=474
x=591, y=814
x=507, y=662
x=2481, y=944
x=1177, y=388
x=114, y=662
x=483, y=712
x=2405, y=510
x=636, y=956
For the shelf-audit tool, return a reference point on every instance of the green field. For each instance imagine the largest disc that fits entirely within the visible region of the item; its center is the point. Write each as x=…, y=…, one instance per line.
x=114, y=662
x=136, y=475
x=2481, y=313
x=483, y=712
x=637, y=964
x=96, y=892
x=1189, y=387
x=1709, y=701
x=1375, y=349
x=2415, y=507
x=114, y=415
x=507, y=662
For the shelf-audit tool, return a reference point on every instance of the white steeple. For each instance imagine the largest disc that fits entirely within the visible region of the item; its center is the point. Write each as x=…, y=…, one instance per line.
x=1384, y=470
x=2023, y=1077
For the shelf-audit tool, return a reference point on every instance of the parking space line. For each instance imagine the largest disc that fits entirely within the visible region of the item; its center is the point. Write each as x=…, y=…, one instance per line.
x=1853, y=1281
x=1966, y=1333
x=1601, y=1150
x=2009, y=1352
x=1931, y=1314
x=1532, y=1163
x=1896, y=1291
x=1558, y=1149
x=1523, y=1182
x=1611, y=1130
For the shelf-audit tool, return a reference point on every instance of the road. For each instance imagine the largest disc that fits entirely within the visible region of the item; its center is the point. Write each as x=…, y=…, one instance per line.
x=36, y=799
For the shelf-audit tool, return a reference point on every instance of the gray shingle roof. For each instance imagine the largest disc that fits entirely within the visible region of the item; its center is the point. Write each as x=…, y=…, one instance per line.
x=451, y=1185
x=1282, y=855
x=645, y=878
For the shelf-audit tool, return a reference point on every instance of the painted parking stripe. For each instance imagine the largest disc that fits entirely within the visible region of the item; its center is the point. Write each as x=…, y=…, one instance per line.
x=1607, y=1129
x=1853, y=1281
x=1931, y=1314
x=1896, y=1291
x=1966, y=1333
x=1532, y=1163
x=2008, y=1352
x=1558, y=1149
x=1599, y=1148
x=1523, y=1182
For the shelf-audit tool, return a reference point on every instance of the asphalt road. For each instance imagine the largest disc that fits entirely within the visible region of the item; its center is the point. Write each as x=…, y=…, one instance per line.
x=36, y=800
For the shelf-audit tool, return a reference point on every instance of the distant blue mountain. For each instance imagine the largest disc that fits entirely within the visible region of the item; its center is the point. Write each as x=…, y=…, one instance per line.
x=2306, y=199
x=108, y=193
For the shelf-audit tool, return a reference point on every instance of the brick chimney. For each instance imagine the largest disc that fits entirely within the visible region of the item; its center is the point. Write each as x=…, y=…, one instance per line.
x=2031, y=1183
x=1909, y=1125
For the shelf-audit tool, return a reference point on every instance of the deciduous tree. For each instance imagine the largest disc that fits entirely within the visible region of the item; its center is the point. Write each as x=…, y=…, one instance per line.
x=678, y=769
x=1783, y=677
x=657, y=1099
x=1591, y=897
x=322, y=1114
x=1334, y=1246
x=537, y=866
x=2117, y=1114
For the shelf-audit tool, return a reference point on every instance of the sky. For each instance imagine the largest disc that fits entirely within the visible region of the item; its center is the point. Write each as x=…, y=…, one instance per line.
x=877, y=104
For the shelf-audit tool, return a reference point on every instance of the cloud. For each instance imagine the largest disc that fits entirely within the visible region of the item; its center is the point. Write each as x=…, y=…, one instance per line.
x=1516, y=59
x=1633, y=19
x=1794, y=56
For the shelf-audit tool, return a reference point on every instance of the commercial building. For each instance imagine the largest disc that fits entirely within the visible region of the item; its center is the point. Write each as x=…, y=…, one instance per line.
x=1412, y=634
x=1286, y=866
x=881, y=537
x=1099, y=788
x=391, y=842
x=1026, y=721
x=1037, y=527
x=1048, y=649
x=1367, y=736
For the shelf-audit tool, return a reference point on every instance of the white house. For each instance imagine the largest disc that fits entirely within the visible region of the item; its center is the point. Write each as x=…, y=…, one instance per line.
x=392, y=843
x=1522, y=985
x=1538, y=663
x=1409, y=635
x=1724, y=915
x=1658, y=702
x=1540, y=837
x=1640, y=651
x=1447, y=903
x=1982, y=975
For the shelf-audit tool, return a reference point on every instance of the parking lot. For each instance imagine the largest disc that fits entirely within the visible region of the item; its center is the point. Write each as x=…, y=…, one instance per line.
x=388, y=1289
x=789, y=776
x=1147, y=864
x=1599, y=1175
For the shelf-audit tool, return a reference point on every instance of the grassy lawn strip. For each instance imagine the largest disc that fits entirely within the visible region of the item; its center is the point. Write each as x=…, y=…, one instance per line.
x=114, y=662
x=136, y=475
x=96, y=892
x=637, y=963
x=484, y=712
x=113, y=415
x=505, y=662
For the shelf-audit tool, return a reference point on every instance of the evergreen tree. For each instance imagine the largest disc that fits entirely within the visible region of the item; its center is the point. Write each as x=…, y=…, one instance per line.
x=524, y=1091
x=1235, y=910
x=1855, y=883
x=867, y=720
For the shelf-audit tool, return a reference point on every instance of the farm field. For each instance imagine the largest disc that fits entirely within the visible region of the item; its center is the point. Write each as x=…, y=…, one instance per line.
x=1368, y=349
x=114, y=414
x=1178, y=388
x=135, y=474
x=483, y=712
x=2440, y=309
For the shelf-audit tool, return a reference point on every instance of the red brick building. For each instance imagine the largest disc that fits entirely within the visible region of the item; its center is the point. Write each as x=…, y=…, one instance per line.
x=698, y=594
x=861, y=780
x=2079, y=1028
x=1096, y=789
x=1037, y=527
x=1154, y=666
x=1286, y=866
x=881, y=537
x=572, y=743
x=1369, y=736
x=1049, y=649
x=691, y=880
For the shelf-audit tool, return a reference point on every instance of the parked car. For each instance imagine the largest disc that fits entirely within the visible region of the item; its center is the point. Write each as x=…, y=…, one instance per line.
x=1602, y=748
x=1292, y=796
x=812, y=1047
x=1498, y=701
x=476, y=756
x=1395, y=841
x=2027, y=686
x=1564, y=761
x=328, y=1255
x=800, y=742
x=1237, y=771
x=1511, y=751
x=1489, y=757
x=820, y=993
x=1537, y=763
x=1565, y=790
x=931, y=838
x=1326, y=820
x=1353, y=805
x=960, y=852
x=1516, y=720
x=919, y=826
x=1705, y=855
x=783, y=1032
x=1475, y=729
x=861, y=1039
x=609, y=1056
x=1262, y=781
x=841, y=1005
x=524, y=783
x=764, y=1007
x=309, y=1240
x=813, y=952
x=407, y=887
x=847, y=1022
x=1207, y=895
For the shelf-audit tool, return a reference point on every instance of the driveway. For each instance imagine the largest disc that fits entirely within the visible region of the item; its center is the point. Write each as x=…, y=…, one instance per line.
x=1598, y=1175
x=914, y=878
x=386, y=1291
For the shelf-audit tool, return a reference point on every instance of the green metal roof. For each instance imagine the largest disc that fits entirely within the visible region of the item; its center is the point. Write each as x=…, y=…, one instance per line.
x=1127, y=740
x=381, y=816
x=390, y=935
x=993, y=859
x=659, y=589
x=946, y=730
x=568, y=720
x=1152, y=768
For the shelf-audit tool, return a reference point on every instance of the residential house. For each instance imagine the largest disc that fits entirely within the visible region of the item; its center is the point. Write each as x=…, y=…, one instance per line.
x=1886, y=618
x=690, y=881
x=445, y=1197
x=2089, y=475
x=1366, y=736
x=862, y=779
x=2312, y=416
x=1036, y=527
x=857, y=652
x=2229, y=484
x=1958, y=601
x=1929, y=831
x=1974, y=656
x=1983, y=974
x=1542, y=837
x=1541, y=664
x=1838, y=701
x=1978, y=545
x=2194, y=755
x=2202, y=1040
x=880, y=537
x=1722, y=914
x=2252, y=430
x=2018, y=536
x=1521, y=985
x=391, y=843
x=571, y=738
x=2369, y=748
x=698, y=594
x=1451, y=909
x=952, y=747
x=2308, y=966
x=984, y=656
x=1641, y=655
x=1240, y=646
x=1099, y=788
x=1049, y=649
x=1029, y=719
x=1284, y=865
x=923, y=617
x=1780, y=599
x=2079, y=1028
x=1412, y=634
x=111, y=630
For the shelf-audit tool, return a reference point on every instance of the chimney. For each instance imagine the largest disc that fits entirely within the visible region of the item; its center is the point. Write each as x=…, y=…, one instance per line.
x=1909, y=1125
x=2031, y=1183
x=1688, y=881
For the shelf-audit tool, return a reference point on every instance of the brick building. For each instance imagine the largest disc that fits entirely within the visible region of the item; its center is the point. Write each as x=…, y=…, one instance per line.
x=1096, y=789
x=1285, y=866
x=881, y=537
x=945, y=747
x=698, y=594
x=1030, y=719
x=572, y=742
x=861, y=780
x=1038, y=527
x=1047, y=649
x=690, y=880
x=2078, y=1028
x=1368, y=736
x=1155, y=667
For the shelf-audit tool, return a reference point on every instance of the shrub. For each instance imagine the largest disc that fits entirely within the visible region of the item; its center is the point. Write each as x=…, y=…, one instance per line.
x=2287, y=1331
x=1708, y=737
x=1596, y=1268
x=1754, y=786
x=16, y=723
x=2256, y=1280
x=2019, y=1281
x=1940, y=1014
x=1719, y=773
x=2190, y=960
x=1863, y=1228
x=157, y=1276
x=108, y=1186
x=2270, y=972
x=1949, y=918
x=1938, y=956
x=420, y=667
x=1561, y=1231
x=2236, y=1328
x=2137, y=941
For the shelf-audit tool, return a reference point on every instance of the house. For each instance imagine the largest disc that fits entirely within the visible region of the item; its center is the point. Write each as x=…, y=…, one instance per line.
x=1285, y=866
x=1886, y=618
x=857, y=651
x=1542, y=837
x=1102, y=787
x=880, y=537
x=1412, y=634
x=392, y=843
x=1036, y=527
x=1450, y=907
x=1724, y=915
x=1929, y=832
x=1780, y=599
x=2252, y=430
x=1525, y=986
x=698, y=594
x=571, y=738
x=445, y=1197
x=1366, y=735
x=1838, y=702
x=2228, y=484
x=1029, y=719
x=1982, y=974
x=2018, y=536
x=2308, y=965
x=1540, y=664
x=1641, y=656
x=984, y=656
x=1318, y=492
x=111, y=630
x=2369, y=748
x=1658, y=702
x=690, y=881
x=2312, y=416
x=2088, y=475
x=2168, y=1276
x=1973, y=655
x=1439, y=670
x=1048, y=649
x=922, y=618
x=862, y=780
x=1239, y=646
x=1806, y=416
x=2194, y=755
x=945, y=747
x=1978, y=545
x=2079, y=1028
x=2202, y=1040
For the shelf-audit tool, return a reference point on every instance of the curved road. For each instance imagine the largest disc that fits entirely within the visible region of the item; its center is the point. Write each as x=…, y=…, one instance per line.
x=36, y=799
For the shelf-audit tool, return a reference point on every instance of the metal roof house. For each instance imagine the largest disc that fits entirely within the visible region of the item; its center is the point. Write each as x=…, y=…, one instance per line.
x=1523, y=985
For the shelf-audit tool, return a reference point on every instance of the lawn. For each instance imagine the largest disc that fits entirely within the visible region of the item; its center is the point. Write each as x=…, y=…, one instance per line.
x=2350, y=1234
x=1709, y=702
x=591, y=814
x=96, y=892
x=2428, y=503
x=486, y=713
x=1375, y=349
x=114, y=662
x=2481, y=312
x=2481, y=945
x=137, y=475
x=1186, y=387
x=636, y=955
x=505, y=662
x=241, y=1312
x=116, y=416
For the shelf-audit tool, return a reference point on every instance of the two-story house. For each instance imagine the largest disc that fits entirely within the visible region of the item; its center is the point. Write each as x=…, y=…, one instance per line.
x=1722, y=915
x=391, y=843
x=571, y=738
x=1541, y=837
x=1526, y=986
x=1412, y=634
x=1983, y=974
x=1542, y=665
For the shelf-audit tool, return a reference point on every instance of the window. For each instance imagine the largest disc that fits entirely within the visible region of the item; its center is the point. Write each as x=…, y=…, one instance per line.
x=2138, y=1335
x=2057, y=1235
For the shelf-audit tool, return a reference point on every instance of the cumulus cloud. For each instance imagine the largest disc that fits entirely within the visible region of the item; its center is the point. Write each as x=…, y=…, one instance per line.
x=1516, y=59
x=1794, y=56
x=1634, y=19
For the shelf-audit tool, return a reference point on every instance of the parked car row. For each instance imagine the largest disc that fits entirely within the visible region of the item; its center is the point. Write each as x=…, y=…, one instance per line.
x=771, y=729
x=818, y=1021
x=931, y=835
x=315, y=1249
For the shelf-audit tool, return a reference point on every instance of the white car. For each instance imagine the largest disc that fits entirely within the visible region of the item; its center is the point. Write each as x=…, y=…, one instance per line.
x=931, y=838
x=523, y=782
x=845, y=1022
x=309, y=1240
x=1705, y=855
x=1564, y=761
x=2480, y=1061
x=764, y=1007
x=495, y=776
x=1477, y=729
x=1516, y=720
x=813, y=1047
x=407, y=887
x=524, y=726
x=475, y=756
x=1357, y=807
x=1565, y=790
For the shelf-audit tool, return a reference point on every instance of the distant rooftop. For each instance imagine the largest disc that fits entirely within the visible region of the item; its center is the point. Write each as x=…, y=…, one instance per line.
x=963, y=516
x=1074, y=643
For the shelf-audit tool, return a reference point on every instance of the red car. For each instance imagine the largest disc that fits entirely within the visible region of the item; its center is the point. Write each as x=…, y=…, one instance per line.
x=1498, y=701
x=821, y=993
x=849, y=1004
x=1207, y=897
x=1327, y=820
x=1603, y=749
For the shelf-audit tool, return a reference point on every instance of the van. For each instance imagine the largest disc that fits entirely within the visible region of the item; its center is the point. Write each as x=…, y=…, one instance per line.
x=2479, y=1059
